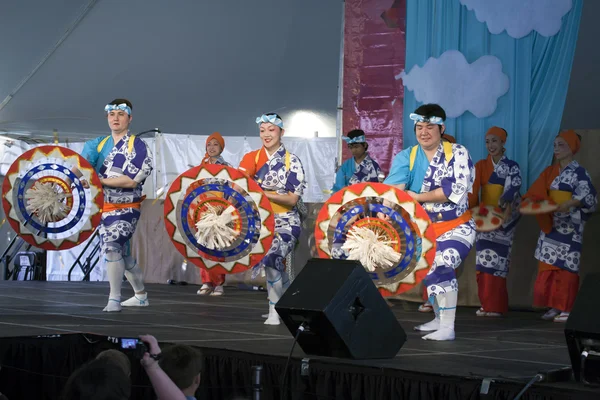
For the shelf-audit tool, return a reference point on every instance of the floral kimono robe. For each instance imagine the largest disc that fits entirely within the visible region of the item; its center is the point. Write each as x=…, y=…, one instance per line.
x=452, y=170
x=130, y=157
x=494, y=248
x=561, y=247
x=367, y=171
x=282, y=173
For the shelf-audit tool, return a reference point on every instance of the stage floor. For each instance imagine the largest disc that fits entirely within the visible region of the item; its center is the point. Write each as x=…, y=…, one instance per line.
x=515, y=347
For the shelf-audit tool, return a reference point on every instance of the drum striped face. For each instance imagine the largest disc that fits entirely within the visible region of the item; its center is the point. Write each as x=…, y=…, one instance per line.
x=46, y=203
x=394, y=217
x=219, y=219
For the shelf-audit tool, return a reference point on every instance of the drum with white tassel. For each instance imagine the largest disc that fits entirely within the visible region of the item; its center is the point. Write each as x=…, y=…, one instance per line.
x=383, y=228
x=46, y=203
x=219, y=219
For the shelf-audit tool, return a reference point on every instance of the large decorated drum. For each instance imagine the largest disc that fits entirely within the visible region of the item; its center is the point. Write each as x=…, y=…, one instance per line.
x=219, y=218
x=46, y=203
x=383, y=228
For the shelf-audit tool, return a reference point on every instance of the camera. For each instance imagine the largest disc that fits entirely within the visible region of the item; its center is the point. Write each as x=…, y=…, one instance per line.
x=134, y=346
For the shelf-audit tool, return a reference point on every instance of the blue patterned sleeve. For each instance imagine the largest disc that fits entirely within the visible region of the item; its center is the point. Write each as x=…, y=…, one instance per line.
x=90, y=151
x=378, y=171
x=340, y=180
x=296, y=180
x=140, y=165
x=399, y=173
x=512, y=184
x=585, y=192
x=461, y=174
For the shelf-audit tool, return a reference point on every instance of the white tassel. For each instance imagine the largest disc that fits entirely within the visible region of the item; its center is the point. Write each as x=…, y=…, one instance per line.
x=47, y=202
x=370, y=248
x=214, y=229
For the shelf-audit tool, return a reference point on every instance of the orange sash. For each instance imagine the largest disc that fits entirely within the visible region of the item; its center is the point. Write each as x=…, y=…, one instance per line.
x=112, y=206
x=539, y=191
x=445, y=226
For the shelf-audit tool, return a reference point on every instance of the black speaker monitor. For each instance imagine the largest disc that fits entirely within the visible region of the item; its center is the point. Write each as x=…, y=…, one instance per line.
x=583, y=332
x=346, y=315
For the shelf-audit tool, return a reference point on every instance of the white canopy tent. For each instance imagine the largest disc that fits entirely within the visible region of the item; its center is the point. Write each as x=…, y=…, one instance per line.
x=188, y=66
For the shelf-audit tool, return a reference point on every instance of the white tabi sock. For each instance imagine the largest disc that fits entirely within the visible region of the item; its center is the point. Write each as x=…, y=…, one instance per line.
x=433, y=325
x=447, y=311
x=275, y=290
x=134, y=275
x=115, y=267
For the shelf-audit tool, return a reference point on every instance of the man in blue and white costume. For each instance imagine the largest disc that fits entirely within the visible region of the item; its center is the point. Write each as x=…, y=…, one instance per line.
x=123, y=162
x=439, y=175
x=361, y=167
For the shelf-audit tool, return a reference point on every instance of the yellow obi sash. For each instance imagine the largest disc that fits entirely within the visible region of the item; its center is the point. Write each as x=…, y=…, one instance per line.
x=279, y=209
x=491, y=193
x=560, y=196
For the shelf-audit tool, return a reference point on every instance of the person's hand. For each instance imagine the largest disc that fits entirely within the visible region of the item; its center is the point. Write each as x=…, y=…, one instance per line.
x=383, y=216
x=153, y=348
x=507, y=213
x=84, y=183
x=414, y=195
x=564, y=207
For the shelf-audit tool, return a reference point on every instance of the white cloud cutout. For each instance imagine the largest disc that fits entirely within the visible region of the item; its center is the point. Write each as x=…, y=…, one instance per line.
x=458, y=86
x=519, y=17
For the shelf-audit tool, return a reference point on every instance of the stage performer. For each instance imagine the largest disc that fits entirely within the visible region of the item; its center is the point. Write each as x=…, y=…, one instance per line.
x=212, y=283
x=123, y=162
x=559, y=245
x=426, y=306
x=498, y=181
x=361, y=167
x=281, y=175
x=439, y=175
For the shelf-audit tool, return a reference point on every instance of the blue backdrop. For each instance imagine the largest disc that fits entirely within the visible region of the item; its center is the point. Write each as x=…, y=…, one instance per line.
x=538, y=69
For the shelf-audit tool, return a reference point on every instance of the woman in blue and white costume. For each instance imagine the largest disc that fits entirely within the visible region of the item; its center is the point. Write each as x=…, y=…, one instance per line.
x=123, y=162
x=281, y=175
x=361, y=167
x=439, y=175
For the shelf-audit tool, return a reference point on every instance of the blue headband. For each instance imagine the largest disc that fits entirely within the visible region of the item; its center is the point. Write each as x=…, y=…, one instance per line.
x=358, y=139
x=270, y=119
x=122, y=107
x=430, y=120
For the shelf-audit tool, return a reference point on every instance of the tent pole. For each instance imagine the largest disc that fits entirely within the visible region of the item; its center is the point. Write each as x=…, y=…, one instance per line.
x=340, y=103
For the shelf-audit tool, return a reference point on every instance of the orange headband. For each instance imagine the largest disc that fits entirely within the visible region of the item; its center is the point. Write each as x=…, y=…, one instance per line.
x=572, y=140
x=498, y=132
x=218, y=137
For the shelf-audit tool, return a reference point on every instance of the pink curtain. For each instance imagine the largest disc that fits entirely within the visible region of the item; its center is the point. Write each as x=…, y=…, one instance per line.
x=374, y=53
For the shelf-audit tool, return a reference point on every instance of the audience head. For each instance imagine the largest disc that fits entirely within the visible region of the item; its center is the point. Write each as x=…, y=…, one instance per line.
x=118, y=358
x=183, y=364
x=99, y=379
